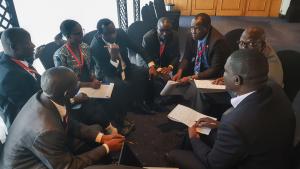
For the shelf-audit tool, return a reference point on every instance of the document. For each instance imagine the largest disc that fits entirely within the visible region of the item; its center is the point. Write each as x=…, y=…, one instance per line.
x=104, y=91
x=174, y=88
x=188, y=116
x=37, y=64
x=206, y=86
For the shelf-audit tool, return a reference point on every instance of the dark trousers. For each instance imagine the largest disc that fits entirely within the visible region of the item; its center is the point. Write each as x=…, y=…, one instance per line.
x=133, y=88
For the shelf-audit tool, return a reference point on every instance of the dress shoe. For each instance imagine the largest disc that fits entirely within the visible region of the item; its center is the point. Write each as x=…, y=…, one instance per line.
x=143, y=108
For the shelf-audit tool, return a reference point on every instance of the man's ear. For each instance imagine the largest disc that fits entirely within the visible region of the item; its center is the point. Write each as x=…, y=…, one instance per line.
x=237, y=80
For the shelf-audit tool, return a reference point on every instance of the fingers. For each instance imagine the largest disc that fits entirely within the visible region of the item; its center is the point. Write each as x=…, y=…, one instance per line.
x=207, y=124
x=118, y=136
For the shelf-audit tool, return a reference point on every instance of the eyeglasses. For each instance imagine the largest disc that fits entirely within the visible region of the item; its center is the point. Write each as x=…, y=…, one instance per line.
x=248, y=44
x=197, y=28
x=77, y=33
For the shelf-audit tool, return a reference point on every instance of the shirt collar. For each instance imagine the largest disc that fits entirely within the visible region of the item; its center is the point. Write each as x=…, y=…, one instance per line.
x=24, y=62
x=237, y=100
x=203, y=40
x=61, y=109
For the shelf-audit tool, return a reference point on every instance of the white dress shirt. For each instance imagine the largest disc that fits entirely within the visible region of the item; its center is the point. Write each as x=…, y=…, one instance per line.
x=3, y=131
x=237, y=100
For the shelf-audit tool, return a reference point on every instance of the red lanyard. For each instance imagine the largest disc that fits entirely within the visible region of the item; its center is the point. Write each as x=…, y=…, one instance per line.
x=28, y=69
x=79, y=64
x=200, y=53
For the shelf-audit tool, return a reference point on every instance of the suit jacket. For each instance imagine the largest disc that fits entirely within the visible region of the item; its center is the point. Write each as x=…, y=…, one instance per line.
x=101, y=56
x=170, y=55
x=16, y=87
x=218, y=52
x=258, y=133
x=37, y=139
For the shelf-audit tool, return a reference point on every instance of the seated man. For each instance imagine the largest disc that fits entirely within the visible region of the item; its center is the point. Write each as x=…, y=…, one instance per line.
x=76, y=55
x=162, y=45
x=205, y=53
x=258, y=131
x=109, y=50
x=255, y=38
x=44, y=134
x=18, y=79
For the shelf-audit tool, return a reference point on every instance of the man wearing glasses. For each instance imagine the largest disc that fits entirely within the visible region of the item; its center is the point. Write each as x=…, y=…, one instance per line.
x=255, y=38
x=205, y=52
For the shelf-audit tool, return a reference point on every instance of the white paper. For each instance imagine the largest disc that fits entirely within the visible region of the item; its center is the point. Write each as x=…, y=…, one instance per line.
x=206, y=86
x=103, y=92
x=174, y=88
x=188, y=117
x=37, y=64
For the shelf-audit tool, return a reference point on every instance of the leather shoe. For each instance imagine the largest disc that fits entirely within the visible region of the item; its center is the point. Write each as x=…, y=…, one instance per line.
x=143, y=108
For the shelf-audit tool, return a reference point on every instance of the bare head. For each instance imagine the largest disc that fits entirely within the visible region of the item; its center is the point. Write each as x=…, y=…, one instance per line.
x=59, y=83
x=200, y=26
x=253, y=38
x=17, y=43
x=164, y=29
x=245, y=70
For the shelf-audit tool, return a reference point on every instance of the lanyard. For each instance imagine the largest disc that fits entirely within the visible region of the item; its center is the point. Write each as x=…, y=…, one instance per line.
x=28, y=69
x=79, y=63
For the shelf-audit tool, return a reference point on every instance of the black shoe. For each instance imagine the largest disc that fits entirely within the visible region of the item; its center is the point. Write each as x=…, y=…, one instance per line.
x=143, y=108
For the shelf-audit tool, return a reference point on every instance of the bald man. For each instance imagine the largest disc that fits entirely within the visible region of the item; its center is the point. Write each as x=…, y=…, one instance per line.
x=205, y=53
x=44, y=134
x=256, y=133
x=255, y=38
x=18, y=79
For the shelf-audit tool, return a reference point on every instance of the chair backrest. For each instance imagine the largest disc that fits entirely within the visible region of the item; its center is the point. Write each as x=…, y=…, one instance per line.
x=87, y=38
x=46, y=54
x=160, y=8
x=148, y=15
x=232, y=37
x=290, y=61
x=136, y=31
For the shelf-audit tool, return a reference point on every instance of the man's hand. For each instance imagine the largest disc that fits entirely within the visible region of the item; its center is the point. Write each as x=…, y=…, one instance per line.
x=95, y=84
x=219, y=81
x=106, y=138
x=152, y=72
x=115, y=145
x=166, y=70
x=80, y=97
x=208, y=122
x=193, y=132
x=113, y=50
x=177, y=76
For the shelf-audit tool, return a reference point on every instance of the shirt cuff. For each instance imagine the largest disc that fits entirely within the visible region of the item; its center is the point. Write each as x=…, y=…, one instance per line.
x=99, y=137
x=151, y=64
x=115, y=64
x=106, y=148
x=171, y=66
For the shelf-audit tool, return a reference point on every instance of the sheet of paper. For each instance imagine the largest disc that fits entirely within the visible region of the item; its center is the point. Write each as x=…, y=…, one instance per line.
x=103, y=92
x=207, y=86
x=173, y=88
x=188, y=117
x=37, y=64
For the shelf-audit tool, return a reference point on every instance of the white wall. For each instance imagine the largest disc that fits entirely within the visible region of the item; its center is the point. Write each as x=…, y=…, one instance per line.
x=43, y=17
x=284, y=6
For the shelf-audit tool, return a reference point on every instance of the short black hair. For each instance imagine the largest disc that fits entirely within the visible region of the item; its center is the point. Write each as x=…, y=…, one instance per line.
x=250, y=64
x=205, y=17
x=103, y=22
x=67, y=26
x=11, y=37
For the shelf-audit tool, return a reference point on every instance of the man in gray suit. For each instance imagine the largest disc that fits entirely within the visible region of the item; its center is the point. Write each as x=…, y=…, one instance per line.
x=257, y=133
x=44, y=135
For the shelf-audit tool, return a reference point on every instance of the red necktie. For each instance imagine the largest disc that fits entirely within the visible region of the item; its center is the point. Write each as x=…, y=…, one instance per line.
x=161, y=49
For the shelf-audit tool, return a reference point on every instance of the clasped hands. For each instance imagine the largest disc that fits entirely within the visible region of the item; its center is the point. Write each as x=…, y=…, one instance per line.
x=113, y=141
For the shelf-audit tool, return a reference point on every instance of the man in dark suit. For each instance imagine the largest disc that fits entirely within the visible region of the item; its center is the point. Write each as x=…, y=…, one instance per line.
x=109, y=50
x=18, y=79
x=162, y=45
x=257, y=133
x=44, y=134
x=205, y=53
